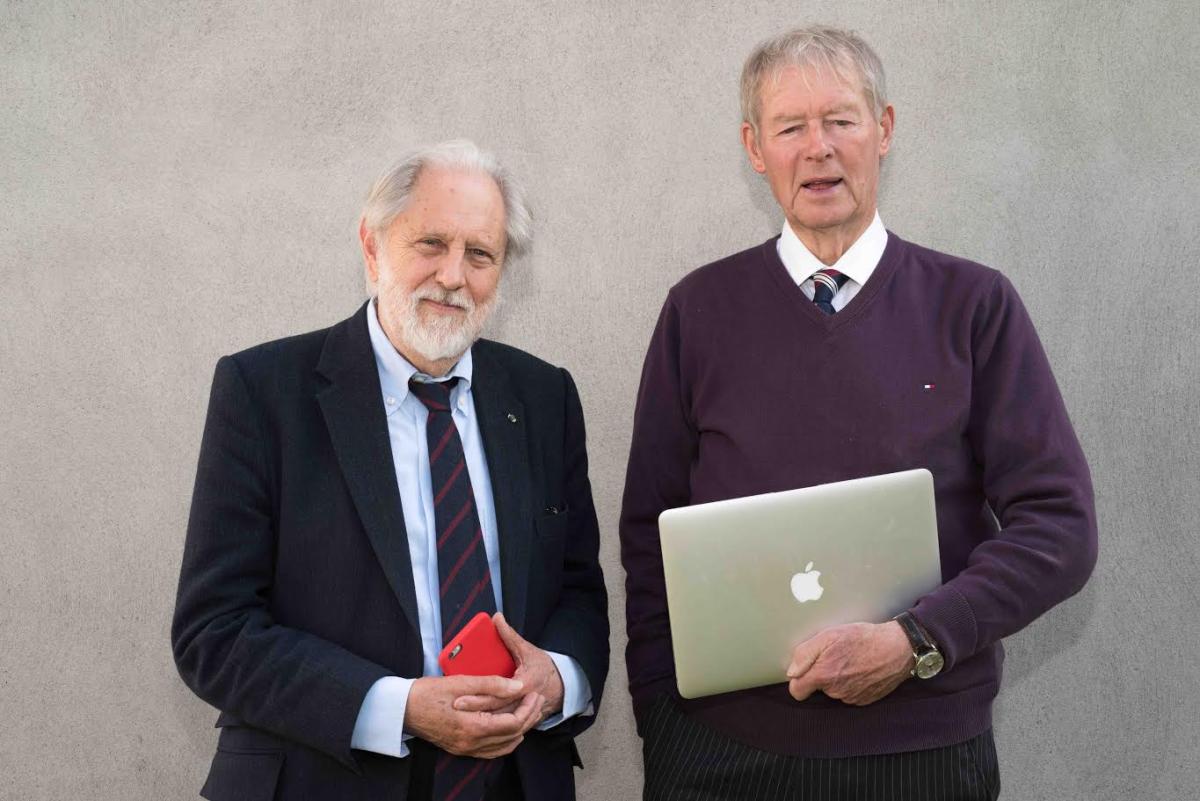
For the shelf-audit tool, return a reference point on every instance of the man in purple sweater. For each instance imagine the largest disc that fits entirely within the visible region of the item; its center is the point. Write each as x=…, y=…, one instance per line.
x=834, y=351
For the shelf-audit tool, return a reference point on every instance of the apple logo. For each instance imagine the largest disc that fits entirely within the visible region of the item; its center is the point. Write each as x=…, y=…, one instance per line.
x=806, y=586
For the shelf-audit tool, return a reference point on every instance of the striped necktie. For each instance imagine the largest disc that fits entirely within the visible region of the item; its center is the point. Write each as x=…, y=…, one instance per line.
x=826, y=284
x=465, y=579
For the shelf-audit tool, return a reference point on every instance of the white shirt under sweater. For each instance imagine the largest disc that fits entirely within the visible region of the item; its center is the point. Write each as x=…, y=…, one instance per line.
x=857, y=263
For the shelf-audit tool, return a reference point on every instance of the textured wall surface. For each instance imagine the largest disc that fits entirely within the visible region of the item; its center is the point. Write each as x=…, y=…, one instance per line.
x=182, y=181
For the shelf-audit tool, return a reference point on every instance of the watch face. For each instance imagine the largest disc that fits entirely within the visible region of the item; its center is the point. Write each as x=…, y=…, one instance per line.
x=929, y=664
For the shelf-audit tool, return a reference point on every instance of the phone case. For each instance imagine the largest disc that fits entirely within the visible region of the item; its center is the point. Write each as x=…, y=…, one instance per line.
x=477, y=650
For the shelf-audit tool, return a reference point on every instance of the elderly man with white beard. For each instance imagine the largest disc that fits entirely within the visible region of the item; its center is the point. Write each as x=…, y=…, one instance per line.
x=365, y=491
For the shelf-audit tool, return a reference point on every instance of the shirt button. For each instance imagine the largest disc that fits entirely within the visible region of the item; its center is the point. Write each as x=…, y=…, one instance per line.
x=390, y=400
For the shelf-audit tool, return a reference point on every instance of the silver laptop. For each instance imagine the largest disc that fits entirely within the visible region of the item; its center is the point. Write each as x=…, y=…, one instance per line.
x=750, y=578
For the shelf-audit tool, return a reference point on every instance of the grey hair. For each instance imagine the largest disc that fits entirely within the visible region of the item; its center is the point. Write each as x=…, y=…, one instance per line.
x=391, y=192
x=842, y=52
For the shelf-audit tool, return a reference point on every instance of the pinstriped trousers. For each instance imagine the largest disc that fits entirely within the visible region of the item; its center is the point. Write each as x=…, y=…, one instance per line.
x=685, y=759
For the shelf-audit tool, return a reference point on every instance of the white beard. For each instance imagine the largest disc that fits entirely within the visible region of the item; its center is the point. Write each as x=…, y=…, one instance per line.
x=440, y=338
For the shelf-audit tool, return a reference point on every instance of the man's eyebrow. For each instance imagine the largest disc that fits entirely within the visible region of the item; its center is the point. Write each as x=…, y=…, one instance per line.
x=841, y=108
x=480, y=242
x=432, y=234
x=778, y=118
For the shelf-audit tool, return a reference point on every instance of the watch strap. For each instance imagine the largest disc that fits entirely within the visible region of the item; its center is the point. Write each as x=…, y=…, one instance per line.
x=916, y=635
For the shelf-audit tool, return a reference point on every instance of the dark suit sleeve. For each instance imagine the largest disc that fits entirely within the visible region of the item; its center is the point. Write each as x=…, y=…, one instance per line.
x=578, y=626
x=228, y=648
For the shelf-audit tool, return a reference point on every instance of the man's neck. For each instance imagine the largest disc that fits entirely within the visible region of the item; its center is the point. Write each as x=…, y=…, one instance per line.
x=830, y=244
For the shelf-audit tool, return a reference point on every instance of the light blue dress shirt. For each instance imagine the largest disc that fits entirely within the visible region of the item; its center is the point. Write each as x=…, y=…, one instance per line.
x=379, y=726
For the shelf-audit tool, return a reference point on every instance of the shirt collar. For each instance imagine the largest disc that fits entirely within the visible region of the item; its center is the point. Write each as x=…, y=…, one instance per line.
x=857, y=263
x=395, y=371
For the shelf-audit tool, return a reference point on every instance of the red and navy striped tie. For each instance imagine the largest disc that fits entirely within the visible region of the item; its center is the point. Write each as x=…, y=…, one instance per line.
x=465, y=579
x=826, y=284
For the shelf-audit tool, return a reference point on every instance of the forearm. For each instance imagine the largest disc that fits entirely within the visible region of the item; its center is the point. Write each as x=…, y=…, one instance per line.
x=1034, y=478
x=275, y=678
x=228, y=647
x=1042, y=554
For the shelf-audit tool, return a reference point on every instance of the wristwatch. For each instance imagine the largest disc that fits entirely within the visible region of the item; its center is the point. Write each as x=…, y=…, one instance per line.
x=929, y=661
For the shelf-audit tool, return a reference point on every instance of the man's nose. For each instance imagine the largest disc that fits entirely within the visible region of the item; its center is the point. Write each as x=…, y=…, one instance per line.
x=452, y=269
x=815, y=144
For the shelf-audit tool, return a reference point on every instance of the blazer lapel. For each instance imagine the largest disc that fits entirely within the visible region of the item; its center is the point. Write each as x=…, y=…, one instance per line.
x=358, y=427
x=502, y=424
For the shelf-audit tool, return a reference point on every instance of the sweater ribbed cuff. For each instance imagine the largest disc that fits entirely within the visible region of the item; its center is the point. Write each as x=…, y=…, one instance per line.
x=948, y=618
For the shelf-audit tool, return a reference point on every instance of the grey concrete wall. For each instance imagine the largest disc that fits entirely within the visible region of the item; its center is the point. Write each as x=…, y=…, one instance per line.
x=181, y=181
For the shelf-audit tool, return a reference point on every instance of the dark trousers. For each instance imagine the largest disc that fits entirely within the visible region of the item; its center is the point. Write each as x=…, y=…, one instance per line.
x=685, y=759
x=504, y=784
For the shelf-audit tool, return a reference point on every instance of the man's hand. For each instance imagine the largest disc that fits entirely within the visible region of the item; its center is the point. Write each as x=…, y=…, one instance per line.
x=857, y=663
x=535, y=670
x=432, y=716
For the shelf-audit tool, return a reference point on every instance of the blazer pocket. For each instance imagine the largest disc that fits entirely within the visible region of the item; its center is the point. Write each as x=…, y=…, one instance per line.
x=243, y=776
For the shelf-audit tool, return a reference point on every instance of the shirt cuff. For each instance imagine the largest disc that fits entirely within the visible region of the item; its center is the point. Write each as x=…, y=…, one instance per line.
x=380, y=724
x=577, y=693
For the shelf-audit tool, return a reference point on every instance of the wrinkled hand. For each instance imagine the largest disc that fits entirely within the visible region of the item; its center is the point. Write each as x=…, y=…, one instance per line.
x=535, y=670
x=432, y=716
x=857, y=663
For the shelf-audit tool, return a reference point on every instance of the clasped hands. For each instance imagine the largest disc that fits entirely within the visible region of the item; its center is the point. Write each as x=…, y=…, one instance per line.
x=486, y=716
x=857, y=663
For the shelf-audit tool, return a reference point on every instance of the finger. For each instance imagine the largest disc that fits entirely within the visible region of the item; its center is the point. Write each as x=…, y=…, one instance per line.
x=497, y=686
x=532, y=715
x=482, y=731
x=508, y=635
x=491, y=727
x=804, y=656
x=500, y=749
x=803, y=687
x=532, y=675
x=484, y=703
x=487, y=747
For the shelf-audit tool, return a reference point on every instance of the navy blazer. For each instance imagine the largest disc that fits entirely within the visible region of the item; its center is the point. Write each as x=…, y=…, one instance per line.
x=296, y=590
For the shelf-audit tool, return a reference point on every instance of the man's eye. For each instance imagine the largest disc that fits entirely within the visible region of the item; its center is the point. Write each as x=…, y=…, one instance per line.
x=480, y=253
x=790, y=129
x=843, y=123
x=429, y=242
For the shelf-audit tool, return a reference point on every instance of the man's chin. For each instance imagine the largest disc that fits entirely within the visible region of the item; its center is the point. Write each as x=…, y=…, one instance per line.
x=444, y=347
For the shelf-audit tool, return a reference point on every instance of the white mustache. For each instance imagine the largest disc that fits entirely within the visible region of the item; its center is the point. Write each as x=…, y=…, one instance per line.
x=458, y=298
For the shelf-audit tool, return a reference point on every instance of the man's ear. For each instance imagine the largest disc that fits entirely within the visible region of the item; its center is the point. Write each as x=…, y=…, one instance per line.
x=750, y=142
x=888, y=122
x=370, y=250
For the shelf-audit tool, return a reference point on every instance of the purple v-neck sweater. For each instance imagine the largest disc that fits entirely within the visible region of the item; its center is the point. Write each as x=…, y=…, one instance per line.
x=749, y=388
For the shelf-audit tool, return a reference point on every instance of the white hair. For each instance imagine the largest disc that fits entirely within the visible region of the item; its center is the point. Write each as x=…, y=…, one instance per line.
x=391, y=192
x=842, y=52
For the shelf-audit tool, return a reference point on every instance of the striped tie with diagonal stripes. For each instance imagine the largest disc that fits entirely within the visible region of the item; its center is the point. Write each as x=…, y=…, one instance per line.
x=465, y=579
x=826, y=284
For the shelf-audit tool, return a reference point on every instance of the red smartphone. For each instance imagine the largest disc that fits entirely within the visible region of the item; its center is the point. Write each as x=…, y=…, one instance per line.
x=477, y=650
